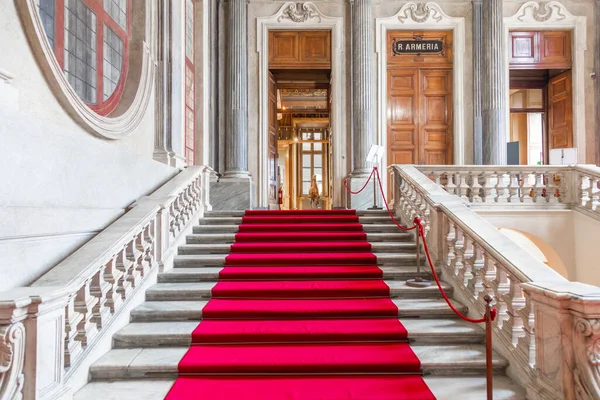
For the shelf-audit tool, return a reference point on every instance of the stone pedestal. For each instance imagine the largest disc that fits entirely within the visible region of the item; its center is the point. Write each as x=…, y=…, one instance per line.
x=231, y=193
x=364, y=199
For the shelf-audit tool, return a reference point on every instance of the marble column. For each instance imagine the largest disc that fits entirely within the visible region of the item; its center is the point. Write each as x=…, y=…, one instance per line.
x=493, y=85
x=234, y=190
x=477, y=47
x=162, y=115
x=236, y=112
x=597, y=82
x=363, y=99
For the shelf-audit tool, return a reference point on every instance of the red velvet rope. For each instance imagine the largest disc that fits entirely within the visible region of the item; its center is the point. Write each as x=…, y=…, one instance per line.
x=421, y=233
x=362, y=188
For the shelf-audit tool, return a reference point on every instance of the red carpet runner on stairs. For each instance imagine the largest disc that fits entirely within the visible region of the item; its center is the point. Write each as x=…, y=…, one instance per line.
x=300, y=312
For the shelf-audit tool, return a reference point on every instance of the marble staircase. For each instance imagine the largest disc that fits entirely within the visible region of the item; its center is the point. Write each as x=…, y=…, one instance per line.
x=143, y=361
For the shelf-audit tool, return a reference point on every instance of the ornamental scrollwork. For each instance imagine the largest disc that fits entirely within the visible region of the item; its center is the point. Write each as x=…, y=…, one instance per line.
x=543, y=12
x=12, y=358
x=300, y=12
x=419, y=13
x=587, y=354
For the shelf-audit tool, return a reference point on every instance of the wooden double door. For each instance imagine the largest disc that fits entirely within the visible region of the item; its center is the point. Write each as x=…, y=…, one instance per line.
x=420, y=127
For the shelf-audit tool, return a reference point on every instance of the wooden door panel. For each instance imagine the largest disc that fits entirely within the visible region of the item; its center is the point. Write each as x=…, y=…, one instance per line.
x=522, y=47
x=316, y=47
x=560, y=112
x=402, y=116
x=435, y=124
x=283, y=47
x=555, y=47
x=272, y=138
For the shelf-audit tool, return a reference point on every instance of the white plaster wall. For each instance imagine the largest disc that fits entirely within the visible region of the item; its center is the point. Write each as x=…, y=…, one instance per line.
x=587, y=232
x=572, y=234
x=554, y=227
x=59, y=184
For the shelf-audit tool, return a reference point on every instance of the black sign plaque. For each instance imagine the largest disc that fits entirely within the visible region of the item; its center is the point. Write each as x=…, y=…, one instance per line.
x=418, y=46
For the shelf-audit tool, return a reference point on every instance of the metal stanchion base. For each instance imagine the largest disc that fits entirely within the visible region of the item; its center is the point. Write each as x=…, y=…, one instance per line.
x=418, y=283
x=374, y=208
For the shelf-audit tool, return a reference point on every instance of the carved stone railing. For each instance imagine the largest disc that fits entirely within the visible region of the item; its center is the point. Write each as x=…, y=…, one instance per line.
x=559, y=186
x=477, y=259
x=51, y=330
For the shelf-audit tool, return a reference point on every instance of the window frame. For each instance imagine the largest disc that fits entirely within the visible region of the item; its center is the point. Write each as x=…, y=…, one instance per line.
x=102, y=107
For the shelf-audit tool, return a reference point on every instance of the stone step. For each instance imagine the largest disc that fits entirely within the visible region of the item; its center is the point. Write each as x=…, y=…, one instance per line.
x=218, y=260
x=190, y=310
x=369, y=228
x=224, y=213
x=208, y=238
x=203, y=290
x=452, y=387
x=174, y=334
x=162, y=362
x=364, y=219
x=212, y=274
x=224, y=248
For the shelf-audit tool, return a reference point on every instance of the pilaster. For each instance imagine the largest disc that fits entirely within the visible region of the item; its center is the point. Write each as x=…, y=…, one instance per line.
x=477, y=50
x=493, y=93
x=597, y=81
x=363, y=81
x=236, y=112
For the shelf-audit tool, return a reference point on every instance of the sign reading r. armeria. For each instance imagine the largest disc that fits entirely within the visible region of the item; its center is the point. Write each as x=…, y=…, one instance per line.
x=418, y=46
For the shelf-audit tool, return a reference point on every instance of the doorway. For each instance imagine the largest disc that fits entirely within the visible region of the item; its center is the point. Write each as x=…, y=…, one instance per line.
x=541, y=100
x=299, y=119
x=419, y=98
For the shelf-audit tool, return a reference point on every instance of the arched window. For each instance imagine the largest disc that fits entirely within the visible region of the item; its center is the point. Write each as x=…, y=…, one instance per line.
x=90, y=39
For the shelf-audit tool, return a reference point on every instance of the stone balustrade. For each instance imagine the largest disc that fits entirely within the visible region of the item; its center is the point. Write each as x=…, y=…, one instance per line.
x=65, y=319
x=548, y=186
x=547, y=327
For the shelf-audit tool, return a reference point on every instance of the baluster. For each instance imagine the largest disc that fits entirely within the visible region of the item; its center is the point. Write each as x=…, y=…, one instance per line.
x=112, y=275
x=529, y=341
x=476, y=188
x=73, y=346
x=478, y=270
x=84, y=304
x=539, y=188
x=488, y=273
x=134, y=255
x=468, y=261
x=99, y=289
x=561, y=189
x=462, y=189
x=142, y=247
x=500, y=196
x=513, y=188
x=593, y=194
x=516, y=303
x=437, y=177
x=450, y=184
x=489, y=190
x=459, y=251
x=502, y=285
x=450, y=243
x=124, y=265
x=528, y=193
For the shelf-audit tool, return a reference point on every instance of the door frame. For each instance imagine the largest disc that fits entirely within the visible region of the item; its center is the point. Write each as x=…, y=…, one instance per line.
x=307, y=17
x=550, y=16
x=425, y=18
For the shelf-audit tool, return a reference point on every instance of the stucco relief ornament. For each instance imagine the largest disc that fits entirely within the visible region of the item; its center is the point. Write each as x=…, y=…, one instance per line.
x=300, y=12
x=420, y=13
x=12, y=358
x=542, y=12
x=587, y=359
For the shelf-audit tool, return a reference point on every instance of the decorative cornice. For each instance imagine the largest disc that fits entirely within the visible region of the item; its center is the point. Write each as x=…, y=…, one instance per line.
x=420, y=13
x=300, y=12
x=543, y=11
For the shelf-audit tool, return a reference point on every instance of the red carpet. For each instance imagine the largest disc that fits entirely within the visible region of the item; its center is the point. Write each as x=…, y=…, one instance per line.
x=300, y=295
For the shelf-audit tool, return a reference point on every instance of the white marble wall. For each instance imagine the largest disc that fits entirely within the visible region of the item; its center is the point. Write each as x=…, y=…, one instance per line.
x=59, y=184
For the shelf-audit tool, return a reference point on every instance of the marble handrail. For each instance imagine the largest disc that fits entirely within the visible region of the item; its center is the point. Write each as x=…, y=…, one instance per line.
x=477, y=259
x=64, y=313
